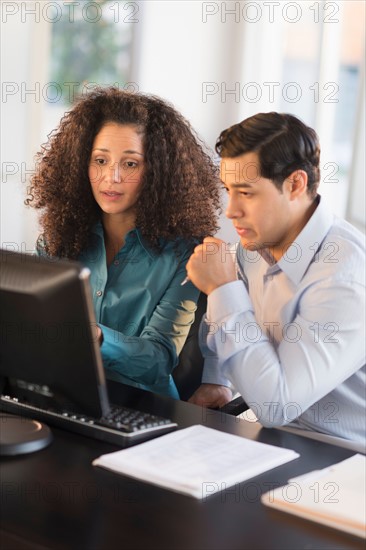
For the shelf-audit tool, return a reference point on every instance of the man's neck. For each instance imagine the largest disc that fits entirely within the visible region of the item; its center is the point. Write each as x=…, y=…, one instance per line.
x=300, y=220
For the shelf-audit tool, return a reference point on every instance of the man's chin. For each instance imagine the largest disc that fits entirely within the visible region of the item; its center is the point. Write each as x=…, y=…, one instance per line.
x=250, y=244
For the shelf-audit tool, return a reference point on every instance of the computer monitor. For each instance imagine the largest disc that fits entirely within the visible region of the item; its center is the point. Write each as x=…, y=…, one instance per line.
x=49, y=353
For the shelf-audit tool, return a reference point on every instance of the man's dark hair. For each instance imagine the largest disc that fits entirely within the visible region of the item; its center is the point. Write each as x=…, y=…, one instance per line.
x=282, y=142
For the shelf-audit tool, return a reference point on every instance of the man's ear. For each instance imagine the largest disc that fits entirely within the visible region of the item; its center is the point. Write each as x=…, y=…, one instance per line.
x=297, y=184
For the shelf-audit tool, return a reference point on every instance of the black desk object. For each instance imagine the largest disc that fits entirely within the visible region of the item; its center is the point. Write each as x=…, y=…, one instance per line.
x=55, y=499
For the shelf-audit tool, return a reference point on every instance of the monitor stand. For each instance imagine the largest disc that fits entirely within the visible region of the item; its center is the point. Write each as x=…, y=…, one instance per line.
x=19, y=435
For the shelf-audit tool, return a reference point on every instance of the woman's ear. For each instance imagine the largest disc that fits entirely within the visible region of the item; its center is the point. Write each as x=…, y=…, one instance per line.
x=297, y=184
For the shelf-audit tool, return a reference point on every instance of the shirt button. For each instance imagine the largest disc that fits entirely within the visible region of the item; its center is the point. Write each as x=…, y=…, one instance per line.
x=99, y=292
x=116, y=262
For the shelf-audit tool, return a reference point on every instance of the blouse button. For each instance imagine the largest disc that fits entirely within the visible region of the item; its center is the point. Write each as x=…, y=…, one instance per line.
x=116, y=262
x=99, y=292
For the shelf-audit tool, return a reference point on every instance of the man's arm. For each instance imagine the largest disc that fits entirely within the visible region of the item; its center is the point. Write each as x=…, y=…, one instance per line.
x=209, y=267
x=326, y=349
x=299, y=369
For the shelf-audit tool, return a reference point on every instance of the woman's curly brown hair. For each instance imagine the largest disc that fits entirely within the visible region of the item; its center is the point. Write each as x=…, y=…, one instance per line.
x=180, y=192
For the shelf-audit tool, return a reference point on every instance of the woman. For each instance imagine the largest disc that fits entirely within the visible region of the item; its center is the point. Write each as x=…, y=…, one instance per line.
x=126, y=188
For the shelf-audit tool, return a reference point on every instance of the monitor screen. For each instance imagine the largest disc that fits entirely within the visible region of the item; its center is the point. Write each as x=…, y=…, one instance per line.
x=49, y=354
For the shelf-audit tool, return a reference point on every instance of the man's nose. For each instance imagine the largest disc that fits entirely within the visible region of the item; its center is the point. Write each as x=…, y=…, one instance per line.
x=233, y=210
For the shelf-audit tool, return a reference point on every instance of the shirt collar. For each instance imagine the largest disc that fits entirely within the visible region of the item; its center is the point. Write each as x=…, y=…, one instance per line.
x=132, y=234
x=295, y=262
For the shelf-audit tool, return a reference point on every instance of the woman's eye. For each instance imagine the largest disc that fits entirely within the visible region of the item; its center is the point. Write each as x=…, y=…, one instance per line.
x=131, y=164
x=101, y=162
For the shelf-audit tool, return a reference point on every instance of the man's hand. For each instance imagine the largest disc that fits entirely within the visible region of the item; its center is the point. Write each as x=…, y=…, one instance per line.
x=211, y=395
x=211, y=265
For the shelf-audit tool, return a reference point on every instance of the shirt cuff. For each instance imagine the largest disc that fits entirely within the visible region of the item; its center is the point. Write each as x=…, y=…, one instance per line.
x=228, y=299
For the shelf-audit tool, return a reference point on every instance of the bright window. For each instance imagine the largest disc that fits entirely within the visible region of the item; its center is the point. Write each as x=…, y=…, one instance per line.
x=90, y=45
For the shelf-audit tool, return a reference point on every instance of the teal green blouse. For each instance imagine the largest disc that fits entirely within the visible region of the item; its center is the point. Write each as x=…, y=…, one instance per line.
x=144, y=312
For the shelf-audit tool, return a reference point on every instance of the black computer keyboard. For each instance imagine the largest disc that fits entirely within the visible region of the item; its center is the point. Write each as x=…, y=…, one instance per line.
x=123, y=426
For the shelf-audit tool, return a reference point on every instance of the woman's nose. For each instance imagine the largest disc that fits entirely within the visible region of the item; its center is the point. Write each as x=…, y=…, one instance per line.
x=116, y=172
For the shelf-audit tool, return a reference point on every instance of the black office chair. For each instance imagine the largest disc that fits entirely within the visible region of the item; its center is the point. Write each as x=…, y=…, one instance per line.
x=187, y=374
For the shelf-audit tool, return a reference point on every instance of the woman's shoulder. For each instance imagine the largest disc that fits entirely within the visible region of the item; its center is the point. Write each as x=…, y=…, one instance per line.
x=179, y=246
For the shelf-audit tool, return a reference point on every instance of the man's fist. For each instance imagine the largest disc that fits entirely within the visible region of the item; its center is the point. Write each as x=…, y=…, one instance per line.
x=211, y=265
x=211, y=395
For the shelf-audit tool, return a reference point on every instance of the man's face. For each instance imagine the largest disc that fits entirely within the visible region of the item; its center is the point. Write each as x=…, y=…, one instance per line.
x=261, y=213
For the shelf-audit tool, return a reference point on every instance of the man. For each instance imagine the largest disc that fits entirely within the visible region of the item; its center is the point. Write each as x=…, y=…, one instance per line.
x=285, y=324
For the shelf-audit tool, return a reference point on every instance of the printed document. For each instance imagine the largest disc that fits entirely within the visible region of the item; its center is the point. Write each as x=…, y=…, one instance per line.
x=197, y=461
x=334, y=496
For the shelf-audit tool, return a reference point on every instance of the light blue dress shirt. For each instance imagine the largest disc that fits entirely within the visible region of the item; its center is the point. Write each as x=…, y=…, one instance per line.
x=144, y=312
x=290, y=335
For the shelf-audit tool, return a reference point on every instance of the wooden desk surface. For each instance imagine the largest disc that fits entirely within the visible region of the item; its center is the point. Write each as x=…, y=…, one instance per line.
x=56, y=499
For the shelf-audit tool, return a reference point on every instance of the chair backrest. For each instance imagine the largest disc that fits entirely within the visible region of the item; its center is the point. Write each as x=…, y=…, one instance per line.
x=187, y=374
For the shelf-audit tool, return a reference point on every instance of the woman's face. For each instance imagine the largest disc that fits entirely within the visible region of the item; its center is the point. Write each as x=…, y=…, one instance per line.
x=116, y=168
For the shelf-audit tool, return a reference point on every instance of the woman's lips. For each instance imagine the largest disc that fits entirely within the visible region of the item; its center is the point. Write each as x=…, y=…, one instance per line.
x=111, y=195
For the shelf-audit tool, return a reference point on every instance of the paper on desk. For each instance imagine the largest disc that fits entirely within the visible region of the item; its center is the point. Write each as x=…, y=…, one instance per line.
x=197, y=461
x=334, y=496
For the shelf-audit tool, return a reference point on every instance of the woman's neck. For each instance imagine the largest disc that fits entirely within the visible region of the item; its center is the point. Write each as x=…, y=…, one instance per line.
x=115, y=231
